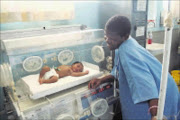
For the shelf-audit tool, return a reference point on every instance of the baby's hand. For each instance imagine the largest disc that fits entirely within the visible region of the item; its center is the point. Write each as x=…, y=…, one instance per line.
x=86, y=72
x=40, y=81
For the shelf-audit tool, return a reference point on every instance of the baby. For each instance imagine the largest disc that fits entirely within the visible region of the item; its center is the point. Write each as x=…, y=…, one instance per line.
x=51, y=75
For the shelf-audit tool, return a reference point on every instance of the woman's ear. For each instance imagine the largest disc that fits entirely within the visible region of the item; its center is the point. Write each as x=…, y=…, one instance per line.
x=126, y=37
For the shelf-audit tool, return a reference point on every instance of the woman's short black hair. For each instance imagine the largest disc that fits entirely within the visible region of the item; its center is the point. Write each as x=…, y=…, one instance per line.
x=119, y=24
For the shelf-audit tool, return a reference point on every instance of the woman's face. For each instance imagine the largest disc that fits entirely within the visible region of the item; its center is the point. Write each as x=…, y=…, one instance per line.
x=113, y=40
x=77, y=67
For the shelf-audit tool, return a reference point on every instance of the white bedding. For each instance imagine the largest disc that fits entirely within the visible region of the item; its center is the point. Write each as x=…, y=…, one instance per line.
x=37, y=91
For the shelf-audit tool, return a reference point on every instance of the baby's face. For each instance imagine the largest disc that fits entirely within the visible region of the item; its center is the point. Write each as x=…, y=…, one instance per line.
x=77, y=67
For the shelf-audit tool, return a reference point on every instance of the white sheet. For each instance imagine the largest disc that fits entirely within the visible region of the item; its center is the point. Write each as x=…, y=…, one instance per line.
x=37, y=91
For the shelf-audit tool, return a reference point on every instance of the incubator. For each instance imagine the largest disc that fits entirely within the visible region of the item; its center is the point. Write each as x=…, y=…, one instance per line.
x=69, y=97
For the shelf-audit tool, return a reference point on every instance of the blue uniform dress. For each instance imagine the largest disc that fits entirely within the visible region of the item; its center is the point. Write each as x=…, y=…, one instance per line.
x=139, y=75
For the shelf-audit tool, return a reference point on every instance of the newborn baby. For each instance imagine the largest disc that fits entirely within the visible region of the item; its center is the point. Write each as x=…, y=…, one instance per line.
x=51, y=75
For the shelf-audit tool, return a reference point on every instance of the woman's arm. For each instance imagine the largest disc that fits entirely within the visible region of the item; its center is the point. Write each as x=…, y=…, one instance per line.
x=94, y=83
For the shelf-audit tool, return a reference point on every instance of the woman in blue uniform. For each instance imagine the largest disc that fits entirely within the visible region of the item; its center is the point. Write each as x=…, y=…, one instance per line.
x=138, y=73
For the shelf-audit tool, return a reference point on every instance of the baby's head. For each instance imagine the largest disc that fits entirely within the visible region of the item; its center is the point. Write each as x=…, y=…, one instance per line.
x=77, y=66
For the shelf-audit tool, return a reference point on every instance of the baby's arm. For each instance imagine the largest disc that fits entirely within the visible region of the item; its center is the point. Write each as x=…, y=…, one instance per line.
x=76, y=74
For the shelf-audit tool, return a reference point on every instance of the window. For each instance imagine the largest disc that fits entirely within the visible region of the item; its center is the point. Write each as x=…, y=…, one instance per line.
x=22, y=11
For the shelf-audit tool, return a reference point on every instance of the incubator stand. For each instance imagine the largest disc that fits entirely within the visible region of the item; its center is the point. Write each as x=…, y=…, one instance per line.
x=69, y=98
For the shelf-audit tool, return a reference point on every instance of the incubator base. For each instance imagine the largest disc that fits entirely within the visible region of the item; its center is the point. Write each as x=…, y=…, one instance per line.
x=73, y=103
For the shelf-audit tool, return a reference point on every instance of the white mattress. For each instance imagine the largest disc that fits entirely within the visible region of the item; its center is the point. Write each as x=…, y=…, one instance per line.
x=37, y=91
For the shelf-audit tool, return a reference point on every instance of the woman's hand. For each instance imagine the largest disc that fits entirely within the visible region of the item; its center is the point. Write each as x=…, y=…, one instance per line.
x=94, y=83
